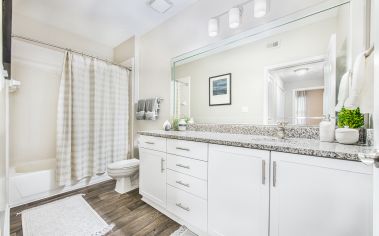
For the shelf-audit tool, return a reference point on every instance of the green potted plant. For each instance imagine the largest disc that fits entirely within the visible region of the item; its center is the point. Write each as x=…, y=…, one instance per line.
x=349, y=122
x=180, y=124
x=175, y=124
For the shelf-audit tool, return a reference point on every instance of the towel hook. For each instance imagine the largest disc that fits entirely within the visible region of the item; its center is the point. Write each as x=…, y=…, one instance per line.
x=369, y=51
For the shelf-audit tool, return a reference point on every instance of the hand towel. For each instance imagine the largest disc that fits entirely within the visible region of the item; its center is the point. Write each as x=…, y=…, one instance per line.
x=357, y=81
x=141, y=107
x=343, y=91
x=152, y=108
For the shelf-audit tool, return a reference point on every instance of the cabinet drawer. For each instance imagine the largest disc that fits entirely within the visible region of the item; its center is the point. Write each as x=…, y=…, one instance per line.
x=190, y=149
x=153, y=143
x=191, y=209
x=188, y=166
x=187, y=183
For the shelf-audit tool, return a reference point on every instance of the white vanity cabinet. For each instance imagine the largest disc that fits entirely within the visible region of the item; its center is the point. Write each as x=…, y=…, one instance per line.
x=238, y=191
x=174, y=179
x=152, y=181
x=187, y=181
x=317, y=196
x=221, y=190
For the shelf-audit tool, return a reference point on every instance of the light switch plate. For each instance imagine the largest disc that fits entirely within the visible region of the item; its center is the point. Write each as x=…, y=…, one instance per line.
x=245, y=109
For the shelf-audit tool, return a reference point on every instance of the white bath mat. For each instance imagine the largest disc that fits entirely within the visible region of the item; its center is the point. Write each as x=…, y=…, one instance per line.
x=71, y=216
x=183, y=231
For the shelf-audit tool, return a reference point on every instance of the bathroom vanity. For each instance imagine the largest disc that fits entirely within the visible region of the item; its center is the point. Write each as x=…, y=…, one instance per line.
x=241, y=180
x=234, y=184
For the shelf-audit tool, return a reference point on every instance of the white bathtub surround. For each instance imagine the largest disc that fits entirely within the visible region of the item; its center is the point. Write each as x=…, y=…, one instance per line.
x=69, y=216
x=92, y=117
x=126, y=174
x=35, y=180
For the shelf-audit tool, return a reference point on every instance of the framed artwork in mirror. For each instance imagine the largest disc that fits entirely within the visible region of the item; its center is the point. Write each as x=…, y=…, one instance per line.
x=220, y=90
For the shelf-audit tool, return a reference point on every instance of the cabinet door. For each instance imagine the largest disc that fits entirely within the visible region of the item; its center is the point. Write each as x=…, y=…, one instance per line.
x=153, y=175
x=315, y=196
x=238, y=191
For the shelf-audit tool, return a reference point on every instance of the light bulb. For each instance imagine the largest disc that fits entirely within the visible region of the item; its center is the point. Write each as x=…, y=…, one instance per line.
x=213, y=27
x=234, y=17
x=260, y=8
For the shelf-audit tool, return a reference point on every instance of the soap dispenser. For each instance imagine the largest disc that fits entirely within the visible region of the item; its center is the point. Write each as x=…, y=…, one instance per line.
x=327, y=129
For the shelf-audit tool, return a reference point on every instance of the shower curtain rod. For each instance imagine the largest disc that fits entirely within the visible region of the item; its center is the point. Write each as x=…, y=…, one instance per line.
x=67, y=49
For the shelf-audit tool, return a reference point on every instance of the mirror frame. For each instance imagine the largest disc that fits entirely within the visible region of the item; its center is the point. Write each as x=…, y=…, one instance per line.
x=252, y=35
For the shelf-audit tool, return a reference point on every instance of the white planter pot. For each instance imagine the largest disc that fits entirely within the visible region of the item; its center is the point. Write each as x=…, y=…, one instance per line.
x=347, y=135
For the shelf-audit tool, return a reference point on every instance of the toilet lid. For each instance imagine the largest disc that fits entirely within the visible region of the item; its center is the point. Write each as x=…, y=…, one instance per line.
x=124, y=164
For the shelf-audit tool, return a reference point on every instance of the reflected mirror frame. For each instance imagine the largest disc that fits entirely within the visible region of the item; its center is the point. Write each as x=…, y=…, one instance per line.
x=248, y=37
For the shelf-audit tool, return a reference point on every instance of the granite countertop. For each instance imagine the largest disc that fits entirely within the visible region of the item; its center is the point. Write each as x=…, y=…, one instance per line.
x=301, y=146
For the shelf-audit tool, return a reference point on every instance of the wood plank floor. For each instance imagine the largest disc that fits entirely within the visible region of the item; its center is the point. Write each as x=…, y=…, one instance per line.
x=128, y=212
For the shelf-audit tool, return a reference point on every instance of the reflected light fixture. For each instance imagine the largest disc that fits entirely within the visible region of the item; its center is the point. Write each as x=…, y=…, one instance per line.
x=213, y=27
x=301, y=71
x=161, y=6
x=235, y=17
x=260, y=8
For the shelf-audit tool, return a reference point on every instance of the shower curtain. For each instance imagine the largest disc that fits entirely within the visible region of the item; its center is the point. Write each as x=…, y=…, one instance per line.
x=301, y=107
x=92, y=125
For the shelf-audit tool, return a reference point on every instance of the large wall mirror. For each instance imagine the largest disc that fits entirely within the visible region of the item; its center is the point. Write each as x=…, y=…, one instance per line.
x=286, y=71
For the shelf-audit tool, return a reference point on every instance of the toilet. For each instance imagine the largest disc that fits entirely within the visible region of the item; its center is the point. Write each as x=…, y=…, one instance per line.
x=125, y=172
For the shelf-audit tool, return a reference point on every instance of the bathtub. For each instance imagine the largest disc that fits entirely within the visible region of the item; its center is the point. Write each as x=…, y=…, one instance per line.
x=35, y=180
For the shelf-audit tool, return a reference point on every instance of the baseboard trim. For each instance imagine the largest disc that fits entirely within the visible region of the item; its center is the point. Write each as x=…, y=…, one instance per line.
x=57, y=193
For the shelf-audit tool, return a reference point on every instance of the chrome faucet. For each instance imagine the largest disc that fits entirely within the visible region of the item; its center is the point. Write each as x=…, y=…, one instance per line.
x=281, y=130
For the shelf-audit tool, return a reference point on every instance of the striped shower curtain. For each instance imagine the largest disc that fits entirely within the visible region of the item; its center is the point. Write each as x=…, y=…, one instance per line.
x=92, y=125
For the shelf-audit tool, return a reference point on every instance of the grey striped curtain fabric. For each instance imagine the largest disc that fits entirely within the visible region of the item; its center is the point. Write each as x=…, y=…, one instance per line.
x=92, y=125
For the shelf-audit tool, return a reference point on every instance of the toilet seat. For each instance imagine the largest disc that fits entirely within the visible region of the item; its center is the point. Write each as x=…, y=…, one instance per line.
x=124, y=164
x=125, y=173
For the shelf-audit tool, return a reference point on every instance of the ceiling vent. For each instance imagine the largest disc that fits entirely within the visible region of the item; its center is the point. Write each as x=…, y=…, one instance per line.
x=160, y=6
x=273, y=44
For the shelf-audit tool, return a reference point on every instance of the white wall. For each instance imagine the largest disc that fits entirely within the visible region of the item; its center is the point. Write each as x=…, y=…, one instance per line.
x=33, y=107
x=124, y=51
x=28, y=27
x=247, y=64
x=186, y=32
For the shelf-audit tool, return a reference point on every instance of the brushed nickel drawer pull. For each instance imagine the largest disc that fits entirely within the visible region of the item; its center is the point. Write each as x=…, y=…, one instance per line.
x=182, y=166
x=183, y=149
x=183, y=207
x=263, y=172
x=151, y=143
x=274, y=174
x=181, y=183
x=162, y=165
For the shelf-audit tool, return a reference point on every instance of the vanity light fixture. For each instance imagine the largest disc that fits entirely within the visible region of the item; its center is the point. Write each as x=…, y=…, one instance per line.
x=213, y=27
x=235, y=17
x=301, y=71
x=260, y=8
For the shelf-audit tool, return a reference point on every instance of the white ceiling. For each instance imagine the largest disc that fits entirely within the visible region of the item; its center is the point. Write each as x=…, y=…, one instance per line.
x=288, y=75
x=106, y=21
